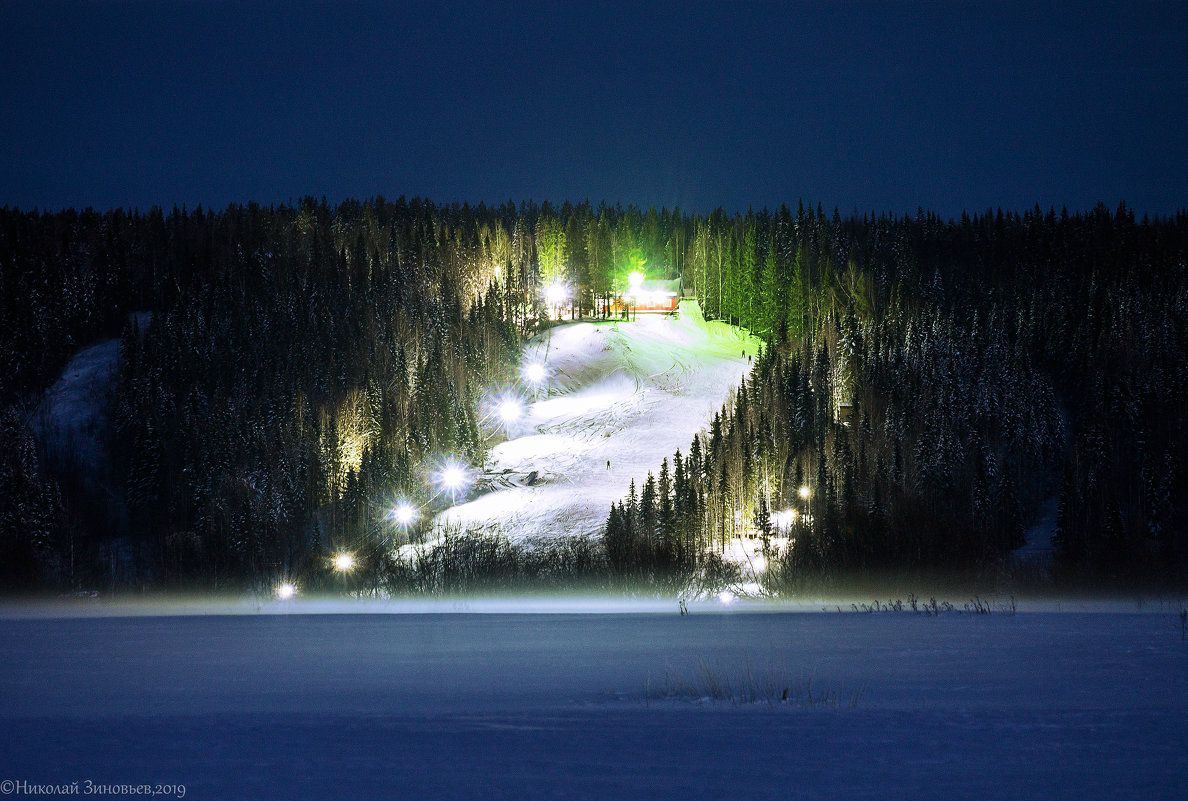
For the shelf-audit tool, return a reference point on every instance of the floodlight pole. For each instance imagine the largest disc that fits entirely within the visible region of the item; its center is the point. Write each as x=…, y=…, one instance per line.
x=548, y=346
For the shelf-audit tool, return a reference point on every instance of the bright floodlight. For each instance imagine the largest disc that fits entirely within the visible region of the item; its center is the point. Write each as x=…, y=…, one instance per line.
x=404, y=514
x=509, y=410
x=534, y=372
x=804, y=493
x=725, y=596
x=452, y=477
x=784, y=519
x=344, y=562
x=635, y=280
x=285, y=591
x=556, y=293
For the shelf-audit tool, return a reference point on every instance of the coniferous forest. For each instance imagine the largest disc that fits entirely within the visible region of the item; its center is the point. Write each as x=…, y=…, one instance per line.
x=285, y=372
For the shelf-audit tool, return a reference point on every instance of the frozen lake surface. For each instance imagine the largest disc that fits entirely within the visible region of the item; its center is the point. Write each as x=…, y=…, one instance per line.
x=472, y=701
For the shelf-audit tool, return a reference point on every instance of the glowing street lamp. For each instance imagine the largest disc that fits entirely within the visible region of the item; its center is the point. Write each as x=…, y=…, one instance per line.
x=452, y=478
x=804, y=493
x=344, y=562
x=535, y=374
x=635, y=281
x=509, y=410
x=556, y=293
x=403, y=513
x=285, y=591
x=784, y=519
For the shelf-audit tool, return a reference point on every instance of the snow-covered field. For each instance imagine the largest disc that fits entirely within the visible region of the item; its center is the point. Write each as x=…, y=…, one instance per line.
x=627, y=394
x=433, y=702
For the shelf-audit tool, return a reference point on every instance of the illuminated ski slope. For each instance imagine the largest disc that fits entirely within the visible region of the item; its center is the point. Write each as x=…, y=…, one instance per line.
x=623, y=394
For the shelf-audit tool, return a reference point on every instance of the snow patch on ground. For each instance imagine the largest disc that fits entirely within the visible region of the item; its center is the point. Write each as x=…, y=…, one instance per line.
x=619, y=398
x=74, y=411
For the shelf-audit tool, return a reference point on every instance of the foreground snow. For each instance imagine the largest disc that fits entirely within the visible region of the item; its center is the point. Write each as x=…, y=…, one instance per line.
x=498, y=705
x=624, y=393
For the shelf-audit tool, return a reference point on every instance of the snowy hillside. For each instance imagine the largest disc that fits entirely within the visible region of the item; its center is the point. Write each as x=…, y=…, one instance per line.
x=74, y=407
x=74, y=410
x=618, y=397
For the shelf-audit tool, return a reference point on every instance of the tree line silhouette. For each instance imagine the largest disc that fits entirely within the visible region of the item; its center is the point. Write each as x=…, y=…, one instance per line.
x=930, y=382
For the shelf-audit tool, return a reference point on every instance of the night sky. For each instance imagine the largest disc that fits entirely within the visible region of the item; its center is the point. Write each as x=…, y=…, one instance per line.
x=861, y=106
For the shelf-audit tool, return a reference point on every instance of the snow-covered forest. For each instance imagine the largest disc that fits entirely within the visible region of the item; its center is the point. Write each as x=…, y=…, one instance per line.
x=286, y=374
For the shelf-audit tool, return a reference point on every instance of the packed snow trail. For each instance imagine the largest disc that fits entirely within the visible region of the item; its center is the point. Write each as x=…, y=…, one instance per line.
x=619, y=397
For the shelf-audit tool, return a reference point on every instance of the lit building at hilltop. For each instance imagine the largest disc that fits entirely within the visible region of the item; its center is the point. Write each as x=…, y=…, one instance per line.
x=648, y=296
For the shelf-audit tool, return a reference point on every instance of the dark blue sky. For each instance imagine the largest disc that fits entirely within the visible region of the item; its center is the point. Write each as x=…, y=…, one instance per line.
x=865, y=106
